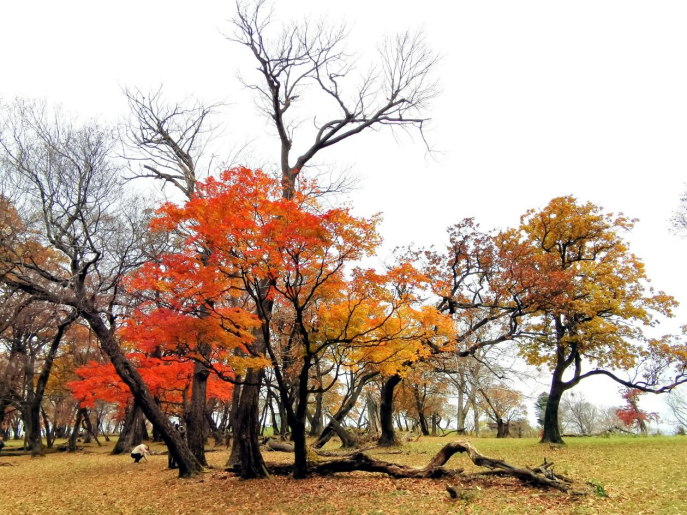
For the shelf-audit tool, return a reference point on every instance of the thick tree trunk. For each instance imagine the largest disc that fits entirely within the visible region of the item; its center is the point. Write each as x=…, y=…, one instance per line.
x=502, y=428
x=33, y=429
x=386, y=411
x=188, y=465
x=300, y=452
x=552, y=428
x=36, y=396
x=247, y=436
x=195, y=421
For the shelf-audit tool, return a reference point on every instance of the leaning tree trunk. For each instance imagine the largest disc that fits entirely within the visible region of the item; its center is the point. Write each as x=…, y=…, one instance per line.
x=188, y=465
x=386, y=411
x=347, y=441
x=347, y=406
x=36, y=396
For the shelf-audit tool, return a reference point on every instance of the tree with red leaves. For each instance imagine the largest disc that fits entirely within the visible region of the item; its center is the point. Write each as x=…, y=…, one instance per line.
x=631, y=414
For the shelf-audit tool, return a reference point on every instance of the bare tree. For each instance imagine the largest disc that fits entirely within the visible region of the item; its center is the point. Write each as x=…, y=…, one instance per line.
x=677, y=402
x=169, y=140
x=307, y=60
x=71, y=201
x=579, y=415
x=679, y=219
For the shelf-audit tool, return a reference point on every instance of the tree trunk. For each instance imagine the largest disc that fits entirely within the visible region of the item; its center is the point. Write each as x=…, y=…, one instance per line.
x=49, y=433
x=129, y=436
x=195, y=422
x=423, y=424
x=86, y=420
x=420, y=412
x=234, y=458
x=552, y=428
x=246, y=436
x=75, y=432
x=347, y=441
x=156, y=434
x=345, y=408
x=502, y=428
x=216, y=432
x=372, y=415
x=300, y=452
x=36, y=396
x=188, y=465
x=386, y=411
x=33, y=429
x=475, y=417
x=316, y=421
x=542, y=475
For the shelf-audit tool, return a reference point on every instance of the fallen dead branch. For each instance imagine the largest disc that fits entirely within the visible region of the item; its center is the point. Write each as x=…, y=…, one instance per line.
x=542, y=475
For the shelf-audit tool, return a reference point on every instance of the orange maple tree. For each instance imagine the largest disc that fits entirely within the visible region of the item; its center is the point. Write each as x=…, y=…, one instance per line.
x=249, y=252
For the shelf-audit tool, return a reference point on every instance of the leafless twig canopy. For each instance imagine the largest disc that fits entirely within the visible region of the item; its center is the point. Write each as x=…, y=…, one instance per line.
x=310, y=56
x=170, y=139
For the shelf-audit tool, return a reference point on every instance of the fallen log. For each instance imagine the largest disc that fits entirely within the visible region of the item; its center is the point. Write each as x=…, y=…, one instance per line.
x=360, y=462
x=539, y=476
x=276, y=445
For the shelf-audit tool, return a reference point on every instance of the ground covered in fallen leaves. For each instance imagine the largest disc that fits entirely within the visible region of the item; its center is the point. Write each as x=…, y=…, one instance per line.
x=639, y=475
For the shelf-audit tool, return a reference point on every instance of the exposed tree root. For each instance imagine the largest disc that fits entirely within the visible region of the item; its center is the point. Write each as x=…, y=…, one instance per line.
x=542, y=475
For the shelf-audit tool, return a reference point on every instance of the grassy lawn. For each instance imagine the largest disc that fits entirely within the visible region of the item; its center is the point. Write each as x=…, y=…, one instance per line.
x=640, y=475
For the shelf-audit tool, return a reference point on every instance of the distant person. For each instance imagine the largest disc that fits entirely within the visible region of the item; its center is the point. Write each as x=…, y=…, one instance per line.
x=140, y=452
x=2, y=443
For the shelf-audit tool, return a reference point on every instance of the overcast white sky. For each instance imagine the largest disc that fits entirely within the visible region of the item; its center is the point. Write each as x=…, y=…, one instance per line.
x=540, y=99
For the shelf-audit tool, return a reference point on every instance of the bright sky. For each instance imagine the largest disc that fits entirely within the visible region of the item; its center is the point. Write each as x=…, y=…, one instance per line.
x=540, y=99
